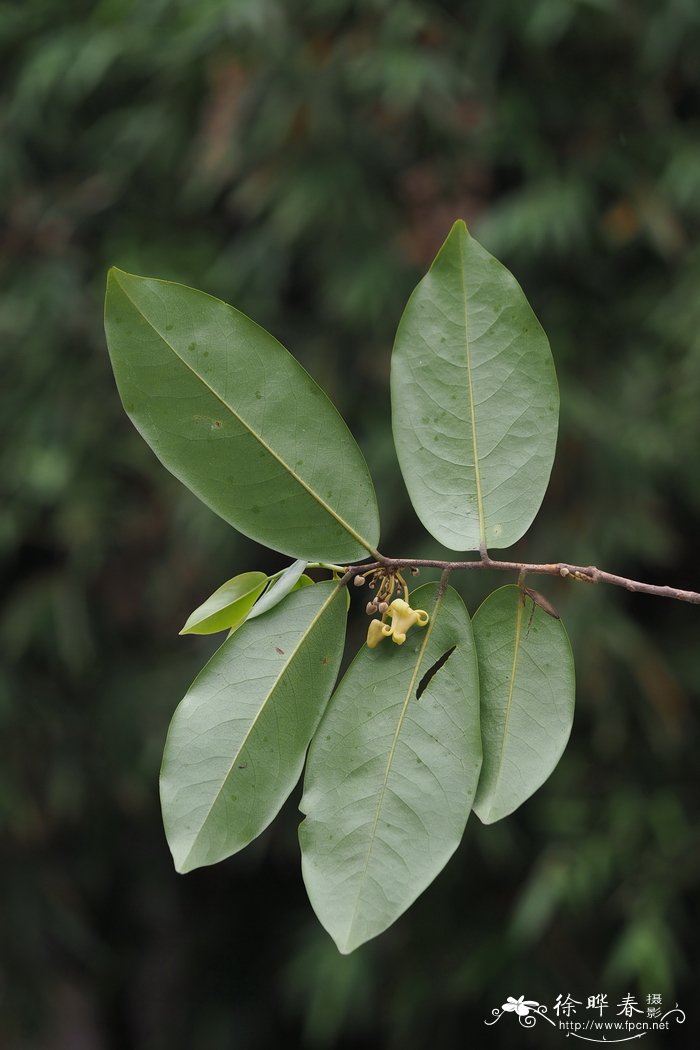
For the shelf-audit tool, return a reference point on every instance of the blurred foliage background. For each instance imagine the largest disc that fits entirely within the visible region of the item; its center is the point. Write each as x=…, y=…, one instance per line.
x=304, y=160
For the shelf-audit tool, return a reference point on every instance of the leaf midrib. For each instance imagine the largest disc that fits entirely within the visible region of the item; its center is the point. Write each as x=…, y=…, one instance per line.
x=265, y=701
x=282, y=462
x=404, y=707
x=509, y=702
x=472, y=408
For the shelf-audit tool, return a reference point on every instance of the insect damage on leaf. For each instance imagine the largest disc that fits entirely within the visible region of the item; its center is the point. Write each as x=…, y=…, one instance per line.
x=544, y=603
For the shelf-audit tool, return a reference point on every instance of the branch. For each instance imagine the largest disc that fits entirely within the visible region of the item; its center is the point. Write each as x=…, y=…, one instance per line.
x=585, y=573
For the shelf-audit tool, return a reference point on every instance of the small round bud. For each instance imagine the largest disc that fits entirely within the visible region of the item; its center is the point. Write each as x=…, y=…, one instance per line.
x=382, y=607
x=359, y=581
x=371, y=584
x=371, y=608
x=414, y=570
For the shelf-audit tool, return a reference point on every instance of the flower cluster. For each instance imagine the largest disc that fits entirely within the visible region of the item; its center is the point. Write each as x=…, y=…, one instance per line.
x=402, y=617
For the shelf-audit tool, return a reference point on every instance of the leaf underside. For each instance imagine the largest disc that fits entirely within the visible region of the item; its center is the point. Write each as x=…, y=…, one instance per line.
x=526, y=671
x=237, y=741
x=279, y=588
x=475, y=400
x=238, y=420
x=390, y=777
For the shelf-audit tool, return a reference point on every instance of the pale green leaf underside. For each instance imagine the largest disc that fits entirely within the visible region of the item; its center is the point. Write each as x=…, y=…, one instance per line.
x=475, y=401
x=279, y=588
x=232, y=415
x=228, y=606
x=526, y=671
x=237, y=742
x=390, y=778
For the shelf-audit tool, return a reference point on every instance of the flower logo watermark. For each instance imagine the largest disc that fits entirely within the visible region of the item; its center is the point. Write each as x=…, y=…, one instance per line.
x=630, y=1021
x=527, y=1010
x=521, y=1006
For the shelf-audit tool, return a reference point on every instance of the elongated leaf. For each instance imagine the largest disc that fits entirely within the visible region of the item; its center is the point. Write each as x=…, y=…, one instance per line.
x=238, y=420
x=228, y=606
x=303, y=581
x=279, y=588
x=475, y=401
x=527, y=699
x=391, y=774
x=237, y=742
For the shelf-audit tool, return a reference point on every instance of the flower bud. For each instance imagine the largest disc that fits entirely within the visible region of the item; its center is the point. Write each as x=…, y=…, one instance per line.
x=359, y=581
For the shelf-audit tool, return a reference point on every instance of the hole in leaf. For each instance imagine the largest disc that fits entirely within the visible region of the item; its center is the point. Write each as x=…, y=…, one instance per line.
x=432, y=671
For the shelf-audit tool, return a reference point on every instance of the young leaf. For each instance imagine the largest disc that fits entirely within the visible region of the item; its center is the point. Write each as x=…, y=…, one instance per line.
x=274, y=596
x=228, y=606
x=237, y=741
x=280, y=586
x=231, y=413
x=527, y=699
x=475, y=400
x=391, y=774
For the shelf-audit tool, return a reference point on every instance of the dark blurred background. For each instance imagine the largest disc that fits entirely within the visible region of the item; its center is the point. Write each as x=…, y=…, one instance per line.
x=304, y=160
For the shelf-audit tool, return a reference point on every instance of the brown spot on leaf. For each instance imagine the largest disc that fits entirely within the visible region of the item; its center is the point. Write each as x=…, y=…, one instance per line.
x=280, y=651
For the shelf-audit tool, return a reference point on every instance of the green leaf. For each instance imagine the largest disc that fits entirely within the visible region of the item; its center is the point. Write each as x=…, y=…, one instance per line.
x=526, y=670
x=232, y=415
x=228, y=606
x=236, y=744
x=280, y=586
x=475, y=401
x=391, y=774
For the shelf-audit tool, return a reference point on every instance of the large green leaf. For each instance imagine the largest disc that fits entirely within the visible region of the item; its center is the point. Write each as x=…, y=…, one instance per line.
x=231, y=413
x=475, y=401
x=228, y=606
x=391, y=774
x=237, y=742
x=526, y=671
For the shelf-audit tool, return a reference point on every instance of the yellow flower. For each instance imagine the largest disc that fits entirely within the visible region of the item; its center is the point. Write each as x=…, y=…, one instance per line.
x=377, y=631
x=403, y=618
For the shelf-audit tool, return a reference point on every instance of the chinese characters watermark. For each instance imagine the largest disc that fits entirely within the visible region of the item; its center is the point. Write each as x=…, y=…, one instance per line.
x=600, y=1021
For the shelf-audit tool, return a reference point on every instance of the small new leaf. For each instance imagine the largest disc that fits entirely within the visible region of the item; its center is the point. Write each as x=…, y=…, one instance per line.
x=282, y=584
x=228, y=606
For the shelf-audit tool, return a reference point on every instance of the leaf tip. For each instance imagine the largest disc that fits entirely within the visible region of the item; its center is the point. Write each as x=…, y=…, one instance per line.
x=114, y=273
x=183, y=862
x=459, y=229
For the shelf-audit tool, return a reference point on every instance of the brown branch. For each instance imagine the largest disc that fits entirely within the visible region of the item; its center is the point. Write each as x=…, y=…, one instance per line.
x=585, y=573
